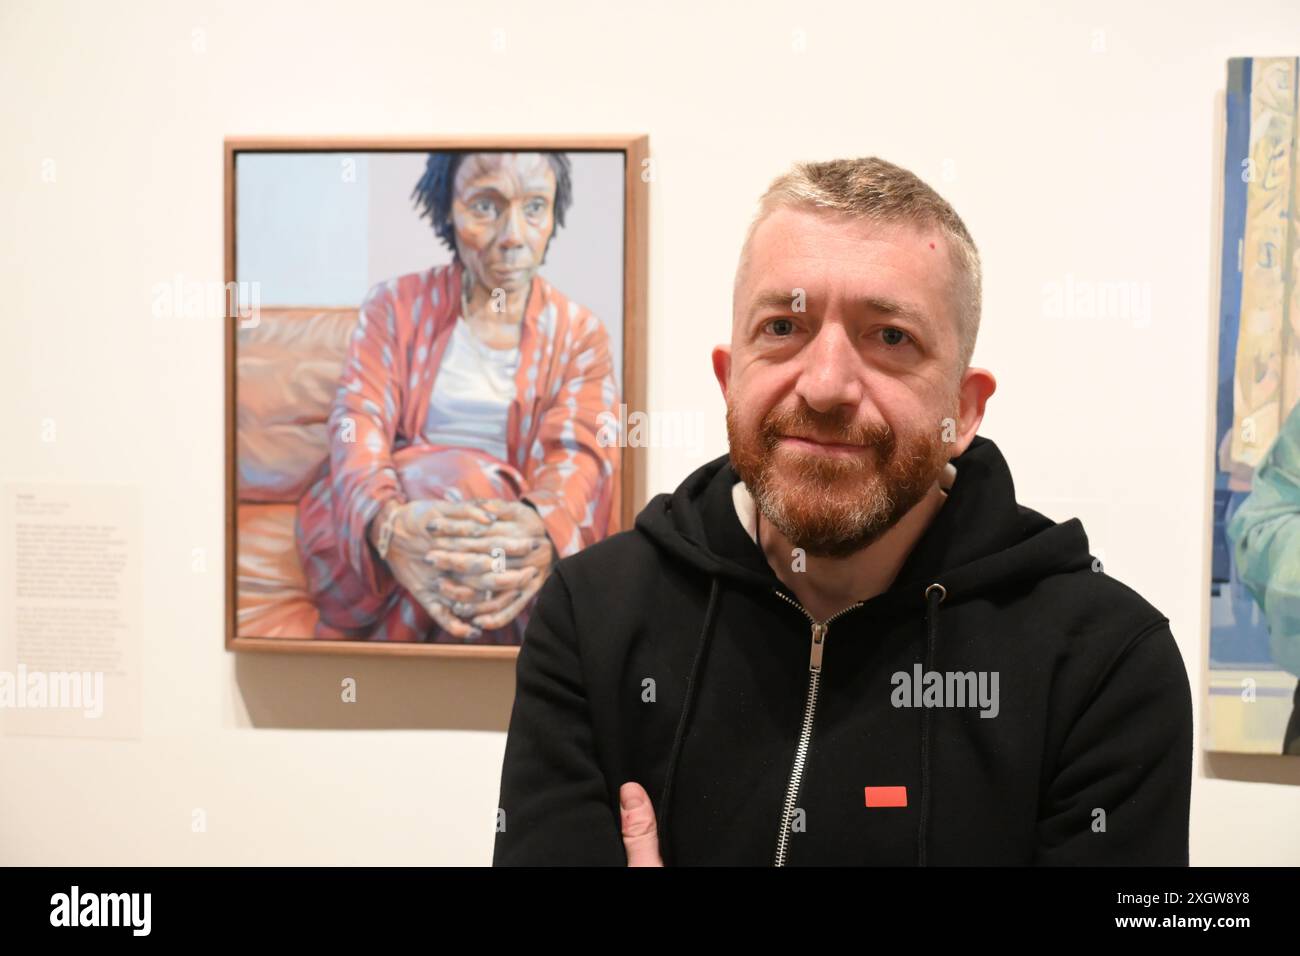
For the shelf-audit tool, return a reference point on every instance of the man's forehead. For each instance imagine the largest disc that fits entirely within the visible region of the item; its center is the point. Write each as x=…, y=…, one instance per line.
x=817, y=234
x=795, y=251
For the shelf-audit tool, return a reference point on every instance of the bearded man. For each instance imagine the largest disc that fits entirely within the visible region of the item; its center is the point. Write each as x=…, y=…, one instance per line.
x=991, y=695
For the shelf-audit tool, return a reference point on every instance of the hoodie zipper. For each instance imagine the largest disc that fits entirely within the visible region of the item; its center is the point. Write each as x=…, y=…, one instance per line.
x=819, y=629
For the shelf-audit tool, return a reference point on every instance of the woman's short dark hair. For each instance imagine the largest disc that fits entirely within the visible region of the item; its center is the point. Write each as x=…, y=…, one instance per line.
x=433, y=193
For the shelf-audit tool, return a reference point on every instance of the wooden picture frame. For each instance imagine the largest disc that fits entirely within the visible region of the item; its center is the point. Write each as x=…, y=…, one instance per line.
x=629, y=480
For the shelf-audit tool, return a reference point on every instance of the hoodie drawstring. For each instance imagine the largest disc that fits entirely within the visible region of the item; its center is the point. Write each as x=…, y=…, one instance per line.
x=934, y=596
x=692, y=689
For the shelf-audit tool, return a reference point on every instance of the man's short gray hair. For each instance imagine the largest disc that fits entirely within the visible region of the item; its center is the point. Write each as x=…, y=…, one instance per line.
x=878, y=191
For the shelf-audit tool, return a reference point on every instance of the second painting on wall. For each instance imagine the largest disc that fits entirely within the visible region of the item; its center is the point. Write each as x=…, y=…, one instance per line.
x=1254, y=651
x=426, y=372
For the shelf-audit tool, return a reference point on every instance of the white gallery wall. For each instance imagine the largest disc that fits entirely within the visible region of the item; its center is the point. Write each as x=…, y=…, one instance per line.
x=1080, y=142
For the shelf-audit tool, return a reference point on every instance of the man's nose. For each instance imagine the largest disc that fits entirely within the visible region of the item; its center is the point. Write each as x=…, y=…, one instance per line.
x=832, y=370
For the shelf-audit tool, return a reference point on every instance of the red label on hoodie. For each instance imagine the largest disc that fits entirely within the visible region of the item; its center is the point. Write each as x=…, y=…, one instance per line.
x=886, y=797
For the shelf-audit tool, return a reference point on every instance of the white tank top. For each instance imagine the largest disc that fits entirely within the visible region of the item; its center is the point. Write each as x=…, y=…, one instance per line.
x=472, y=393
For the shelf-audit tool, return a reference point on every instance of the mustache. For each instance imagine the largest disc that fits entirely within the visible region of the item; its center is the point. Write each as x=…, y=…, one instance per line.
x=829, y=428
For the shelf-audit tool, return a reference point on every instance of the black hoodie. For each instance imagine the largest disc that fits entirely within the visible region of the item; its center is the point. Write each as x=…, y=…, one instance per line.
x=673, y=656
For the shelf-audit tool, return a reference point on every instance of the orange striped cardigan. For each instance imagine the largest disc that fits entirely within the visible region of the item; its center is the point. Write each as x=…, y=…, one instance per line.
x=564, y=382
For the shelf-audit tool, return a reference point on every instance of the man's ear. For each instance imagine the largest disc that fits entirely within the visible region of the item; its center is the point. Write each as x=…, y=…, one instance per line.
x=722, y=366
x=976, y=387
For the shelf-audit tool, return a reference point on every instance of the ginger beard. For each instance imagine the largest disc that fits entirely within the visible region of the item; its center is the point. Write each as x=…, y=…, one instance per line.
x=833, y=505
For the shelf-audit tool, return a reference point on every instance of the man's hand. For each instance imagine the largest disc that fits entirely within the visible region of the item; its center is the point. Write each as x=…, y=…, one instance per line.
x=640, y=831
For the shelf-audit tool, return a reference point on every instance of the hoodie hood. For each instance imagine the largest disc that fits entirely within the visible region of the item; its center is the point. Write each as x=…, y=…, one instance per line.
x=980, y=541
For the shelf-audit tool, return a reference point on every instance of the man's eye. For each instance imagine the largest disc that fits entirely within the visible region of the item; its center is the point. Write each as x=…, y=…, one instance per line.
x=895, y=337
x=781, y=327
x=484, y=207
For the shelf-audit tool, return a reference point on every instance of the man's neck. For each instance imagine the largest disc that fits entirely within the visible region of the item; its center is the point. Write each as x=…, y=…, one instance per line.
x=828, y=585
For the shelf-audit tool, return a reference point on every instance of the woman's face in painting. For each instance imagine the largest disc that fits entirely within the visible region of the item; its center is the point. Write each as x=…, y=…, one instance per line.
x=503, y=211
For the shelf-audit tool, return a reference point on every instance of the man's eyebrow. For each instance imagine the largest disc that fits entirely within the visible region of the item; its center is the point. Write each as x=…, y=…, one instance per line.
x=776, y=299
x=772, y=299
x=903, y=310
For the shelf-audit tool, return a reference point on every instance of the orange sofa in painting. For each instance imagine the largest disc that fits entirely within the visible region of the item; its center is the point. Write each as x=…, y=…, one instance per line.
x=287, y=370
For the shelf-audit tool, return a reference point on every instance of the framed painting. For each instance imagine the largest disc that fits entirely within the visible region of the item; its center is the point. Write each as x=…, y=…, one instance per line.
x=1254, y=647
x=431, y=347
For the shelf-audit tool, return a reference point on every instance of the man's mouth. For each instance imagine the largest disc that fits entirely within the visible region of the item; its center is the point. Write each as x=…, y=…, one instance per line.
x=821, y=447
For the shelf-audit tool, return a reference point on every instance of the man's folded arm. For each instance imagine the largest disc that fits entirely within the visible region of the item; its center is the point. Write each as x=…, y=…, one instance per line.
x=1121, y=793
x=555, y=807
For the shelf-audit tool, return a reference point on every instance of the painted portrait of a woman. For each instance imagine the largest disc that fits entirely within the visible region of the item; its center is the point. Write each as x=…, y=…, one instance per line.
x=464, y=451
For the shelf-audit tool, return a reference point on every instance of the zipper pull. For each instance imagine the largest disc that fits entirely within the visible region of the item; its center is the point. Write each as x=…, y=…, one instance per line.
x=818, y=644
